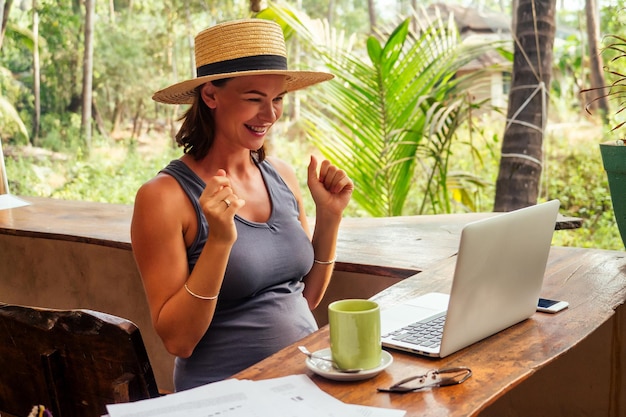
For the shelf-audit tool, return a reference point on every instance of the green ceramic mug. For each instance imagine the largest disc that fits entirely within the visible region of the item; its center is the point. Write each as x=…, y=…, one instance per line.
x=355, y=333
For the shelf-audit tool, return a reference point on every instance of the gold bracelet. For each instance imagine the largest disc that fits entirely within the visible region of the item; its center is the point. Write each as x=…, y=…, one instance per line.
x=201, y=297
x=332, y=261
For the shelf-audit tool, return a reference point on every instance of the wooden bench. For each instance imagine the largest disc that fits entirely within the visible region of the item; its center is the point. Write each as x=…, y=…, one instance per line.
x=73, y=362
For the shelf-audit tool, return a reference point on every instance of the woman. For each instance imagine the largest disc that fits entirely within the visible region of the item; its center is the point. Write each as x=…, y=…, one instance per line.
x=220, y=236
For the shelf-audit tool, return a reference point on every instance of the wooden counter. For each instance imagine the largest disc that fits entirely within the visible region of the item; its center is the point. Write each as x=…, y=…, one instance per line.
x=385, y=246
x=570, y=363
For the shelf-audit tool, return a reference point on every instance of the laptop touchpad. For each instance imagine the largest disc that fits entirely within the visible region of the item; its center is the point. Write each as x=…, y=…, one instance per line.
x=417, y=309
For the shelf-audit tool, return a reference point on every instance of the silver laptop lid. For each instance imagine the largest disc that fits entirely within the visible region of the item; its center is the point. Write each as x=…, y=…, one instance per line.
x=499, y=273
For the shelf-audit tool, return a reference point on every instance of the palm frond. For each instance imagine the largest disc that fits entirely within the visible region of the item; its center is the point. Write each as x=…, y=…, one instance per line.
x=10, y=116
x=384, y=110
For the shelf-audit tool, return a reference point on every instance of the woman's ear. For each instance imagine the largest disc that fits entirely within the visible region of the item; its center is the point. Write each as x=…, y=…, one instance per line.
x=208, y=95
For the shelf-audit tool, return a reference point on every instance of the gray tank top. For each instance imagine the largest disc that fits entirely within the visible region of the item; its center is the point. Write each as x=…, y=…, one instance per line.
x=260, y=309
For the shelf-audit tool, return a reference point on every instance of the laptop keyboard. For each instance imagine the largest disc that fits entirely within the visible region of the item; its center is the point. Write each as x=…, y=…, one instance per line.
x=422, y=333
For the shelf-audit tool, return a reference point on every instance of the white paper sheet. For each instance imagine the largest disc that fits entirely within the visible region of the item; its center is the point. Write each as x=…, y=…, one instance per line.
x=293, y=387
x=291, y=396
x=8, y=201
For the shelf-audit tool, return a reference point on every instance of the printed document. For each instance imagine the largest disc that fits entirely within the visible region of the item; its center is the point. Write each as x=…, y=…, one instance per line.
x=290, y=396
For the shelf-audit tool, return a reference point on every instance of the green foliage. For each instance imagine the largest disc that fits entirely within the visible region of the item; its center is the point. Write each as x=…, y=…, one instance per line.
x=111, y=173
x=615, y=89
x=23, y=178
x=390, y=120
x=568, y=75
x=63, y=132
x=61, y=60
x=346, y=15
x=11, y=124
x=576, y=177
x=613, y=18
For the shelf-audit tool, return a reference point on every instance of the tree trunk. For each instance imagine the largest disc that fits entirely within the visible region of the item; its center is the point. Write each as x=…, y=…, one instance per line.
x=98, y=119
x=116, y=120
x=519, y=177
x=255, y=6
x=514, y=4
x=371, y=7
x=329, y=16
x=112, y=12
x=4, y=181
x=5, y=8
x=36, y=77
x=137, y=122
x=87, y=73
x=595, y=62
x=190, y=42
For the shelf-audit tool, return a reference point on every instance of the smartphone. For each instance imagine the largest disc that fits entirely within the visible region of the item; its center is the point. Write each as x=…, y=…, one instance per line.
x=551, y=306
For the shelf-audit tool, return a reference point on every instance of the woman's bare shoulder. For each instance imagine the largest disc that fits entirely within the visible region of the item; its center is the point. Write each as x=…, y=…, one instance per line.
x=161, y=197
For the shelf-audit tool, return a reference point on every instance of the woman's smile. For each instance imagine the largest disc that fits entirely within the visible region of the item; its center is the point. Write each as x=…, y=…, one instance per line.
x=260, y=130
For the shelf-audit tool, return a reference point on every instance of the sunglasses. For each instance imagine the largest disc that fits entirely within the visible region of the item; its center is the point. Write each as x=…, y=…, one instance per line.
x=431, y=379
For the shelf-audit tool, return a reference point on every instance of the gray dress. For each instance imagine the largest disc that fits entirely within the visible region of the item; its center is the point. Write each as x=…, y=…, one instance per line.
x=260, y=309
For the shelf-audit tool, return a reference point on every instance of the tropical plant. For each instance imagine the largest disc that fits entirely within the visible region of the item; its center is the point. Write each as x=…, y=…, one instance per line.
x=13, y=94
x=10, y=121
x=613, y=152
x=616, y=90
x=389, y=118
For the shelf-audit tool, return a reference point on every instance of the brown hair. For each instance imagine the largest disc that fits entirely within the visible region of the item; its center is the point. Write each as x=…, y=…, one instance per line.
x=198, y=129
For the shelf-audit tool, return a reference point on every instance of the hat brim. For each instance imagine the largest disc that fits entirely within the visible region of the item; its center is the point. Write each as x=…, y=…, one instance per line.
x=184, y=92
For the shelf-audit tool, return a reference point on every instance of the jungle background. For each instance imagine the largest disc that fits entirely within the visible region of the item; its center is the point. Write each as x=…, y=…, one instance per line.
x=56, y=146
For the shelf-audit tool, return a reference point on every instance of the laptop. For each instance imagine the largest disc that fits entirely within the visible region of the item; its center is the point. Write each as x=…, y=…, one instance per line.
x=497, y=280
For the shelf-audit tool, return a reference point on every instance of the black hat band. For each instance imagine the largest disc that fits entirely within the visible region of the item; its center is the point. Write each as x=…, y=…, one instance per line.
x=248, y=63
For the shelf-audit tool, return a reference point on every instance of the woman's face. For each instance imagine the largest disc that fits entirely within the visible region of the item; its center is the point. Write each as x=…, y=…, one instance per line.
x=245, y=108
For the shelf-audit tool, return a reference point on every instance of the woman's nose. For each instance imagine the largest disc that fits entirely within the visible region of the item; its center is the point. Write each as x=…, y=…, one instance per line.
x=269, y=113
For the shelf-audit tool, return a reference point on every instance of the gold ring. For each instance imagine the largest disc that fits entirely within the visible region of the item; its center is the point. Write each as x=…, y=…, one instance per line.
x=227, y=202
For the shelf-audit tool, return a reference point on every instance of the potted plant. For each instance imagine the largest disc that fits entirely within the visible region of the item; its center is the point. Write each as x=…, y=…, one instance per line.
x=613, y=152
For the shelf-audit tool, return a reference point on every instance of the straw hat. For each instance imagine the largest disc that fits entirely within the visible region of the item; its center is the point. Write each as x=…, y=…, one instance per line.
x=238, y=48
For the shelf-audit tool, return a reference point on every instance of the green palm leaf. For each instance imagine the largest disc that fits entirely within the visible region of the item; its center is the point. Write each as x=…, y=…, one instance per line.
x=10, y=117
x=386, y=111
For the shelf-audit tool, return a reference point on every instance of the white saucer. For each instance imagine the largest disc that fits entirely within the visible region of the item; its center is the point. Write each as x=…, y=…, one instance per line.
x=325, y=369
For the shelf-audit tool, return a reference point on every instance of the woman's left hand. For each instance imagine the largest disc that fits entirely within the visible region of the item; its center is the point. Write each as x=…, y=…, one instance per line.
x=331, y=188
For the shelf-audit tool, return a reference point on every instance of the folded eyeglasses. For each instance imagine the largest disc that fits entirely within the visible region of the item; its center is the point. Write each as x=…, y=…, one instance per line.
x=431, y=379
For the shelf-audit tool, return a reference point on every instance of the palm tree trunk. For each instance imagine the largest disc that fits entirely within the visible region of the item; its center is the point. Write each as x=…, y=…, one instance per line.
x=36, y=76
x=88, y=73
x=522, y=154
x=595, y=63
x=371, y=7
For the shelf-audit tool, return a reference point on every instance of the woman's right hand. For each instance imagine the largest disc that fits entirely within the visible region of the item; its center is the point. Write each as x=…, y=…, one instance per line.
x=220, y=204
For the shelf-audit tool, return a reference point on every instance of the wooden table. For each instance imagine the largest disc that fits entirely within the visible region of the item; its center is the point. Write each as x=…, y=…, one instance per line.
x=570, y=363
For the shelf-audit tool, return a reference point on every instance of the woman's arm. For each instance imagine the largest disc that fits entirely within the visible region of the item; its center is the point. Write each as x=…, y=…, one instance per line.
x=161, y=220
x=331, y=190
